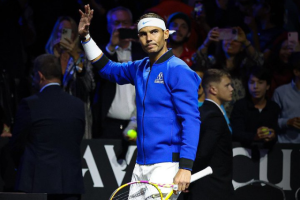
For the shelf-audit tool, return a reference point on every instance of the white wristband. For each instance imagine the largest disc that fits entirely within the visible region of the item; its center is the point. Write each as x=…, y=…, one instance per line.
x=91, y=49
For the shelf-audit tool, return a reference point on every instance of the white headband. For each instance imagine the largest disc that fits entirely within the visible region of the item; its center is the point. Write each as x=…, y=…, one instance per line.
x=153, y=22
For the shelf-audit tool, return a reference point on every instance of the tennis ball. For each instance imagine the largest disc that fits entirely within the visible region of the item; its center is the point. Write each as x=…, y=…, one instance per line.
x=265, y=131
x=132, y=134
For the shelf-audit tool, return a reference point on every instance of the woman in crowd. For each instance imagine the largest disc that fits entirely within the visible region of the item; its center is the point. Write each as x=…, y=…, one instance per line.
x=235, y=56
x=279, y=64
x=76, y=69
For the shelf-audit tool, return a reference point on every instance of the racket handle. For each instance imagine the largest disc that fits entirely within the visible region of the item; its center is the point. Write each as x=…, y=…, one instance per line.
x=198, y=175
x=202, y=173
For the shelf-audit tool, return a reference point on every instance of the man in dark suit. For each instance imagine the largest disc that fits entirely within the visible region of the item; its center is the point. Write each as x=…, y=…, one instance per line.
x=47, y=135
x=215, y=148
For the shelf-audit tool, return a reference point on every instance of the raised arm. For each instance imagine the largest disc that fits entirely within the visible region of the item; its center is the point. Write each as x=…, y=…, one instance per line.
x=85, y=20
x=93, y=52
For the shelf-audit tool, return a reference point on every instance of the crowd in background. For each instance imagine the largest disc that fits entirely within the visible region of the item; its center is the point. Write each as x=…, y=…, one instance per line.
x=262, y=59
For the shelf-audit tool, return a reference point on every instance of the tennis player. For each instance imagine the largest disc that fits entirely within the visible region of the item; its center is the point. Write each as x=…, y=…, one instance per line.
x=166, y=98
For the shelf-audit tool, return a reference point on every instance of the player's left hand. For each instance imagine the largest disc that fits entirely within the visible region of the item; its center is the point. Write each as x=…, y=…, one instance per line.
x=182, y=179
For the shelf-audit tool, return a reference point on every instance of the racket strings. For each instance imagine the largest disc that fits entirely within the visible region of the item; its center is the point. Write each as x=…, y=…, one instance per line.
x=138, y=191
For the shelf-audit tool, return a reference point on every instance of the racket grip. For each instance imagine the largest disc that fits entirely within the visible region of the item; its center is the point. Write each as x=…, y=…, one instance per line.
x=201, y=174
x=198, y=175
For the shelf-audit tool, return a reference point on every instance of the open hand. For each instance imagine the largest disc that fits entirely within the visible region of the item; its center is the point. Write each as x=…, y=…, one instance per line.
x=85, y=20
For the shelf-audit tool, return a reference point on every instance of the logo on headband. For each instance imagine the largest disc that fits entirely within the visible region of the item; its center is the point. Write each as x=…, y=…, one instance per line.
x=146, y=22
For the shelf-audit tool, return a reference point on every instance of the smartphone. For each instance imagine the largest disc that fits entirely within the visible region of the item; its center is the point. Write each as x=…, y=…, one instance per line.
x=128, y=33
x=228, y=33
x=65, y=33
x=292, y=40
x=198, y=8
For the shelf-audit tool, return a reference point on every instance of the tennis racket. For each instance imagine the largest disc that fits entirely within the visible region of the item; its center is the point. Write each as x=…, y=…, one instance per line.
x=145, y=190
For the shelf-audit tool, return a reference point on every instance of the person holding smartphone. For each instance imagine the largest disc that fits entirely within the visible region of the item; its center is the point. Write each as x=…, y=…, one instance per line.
x=114, y=106
x=235, y=55
x=77, y=76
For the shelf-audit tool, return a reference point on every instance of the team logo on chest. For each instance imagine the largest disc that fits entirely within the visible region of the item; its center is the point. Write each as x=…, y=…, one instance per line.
x=159, y=78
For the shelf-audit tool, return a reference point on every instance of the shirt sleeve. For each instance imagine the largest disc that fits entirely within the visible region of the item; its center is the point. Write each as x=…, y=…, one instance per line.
x=121, y=73
x=184, y=85
x=282, y=122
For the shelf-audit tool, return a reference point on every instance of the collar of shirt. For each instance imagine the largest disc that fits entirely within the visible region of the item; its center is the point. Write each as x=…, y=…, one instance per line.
x=216, y=105
x=49, y=84
x=125, y=49
x=251, y=105
x=118, y=49
x=223, y=112
x=294, y=86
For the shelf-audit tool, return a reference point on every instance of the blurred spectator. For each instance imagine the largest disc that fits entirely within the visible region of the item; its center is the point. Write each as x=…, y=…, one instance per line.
x=266, y=24
x=255, y=117
x=167, y=7
x=292, y=15
x=222, y=14
x=201, y=25
x=15, y=46
x=7, y=168
x=47, y=135
x=7, y=107
x=246, y=6
x=201, y=94
x=235, y=56
x=279, y=64
x=76, y=69
x=287, y=97
x=114, y=105
x=181, y=23
x=45, y=14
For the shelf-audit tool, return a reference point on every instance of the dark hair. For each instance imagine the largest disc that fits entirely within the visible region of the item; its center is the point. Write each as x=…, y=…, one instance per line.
x=119, y=8
x=213, y=75
x=221, y=60
x=262, y=73
x=150, y=15
x=179, y=15
x=53, y=37
x=295, y=61
x=276, y=11
x=48, y=65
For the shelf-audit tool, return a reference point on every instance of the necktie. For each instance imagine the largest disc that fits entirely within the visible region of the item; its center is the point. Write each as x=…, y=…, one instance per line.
x=227, y=120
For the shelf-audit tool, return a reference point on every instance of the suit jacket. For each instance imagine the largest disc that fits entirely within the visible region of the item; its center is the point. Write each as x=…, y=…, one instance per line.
x=106, y=90
x=47, y=134
x=215, y=150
